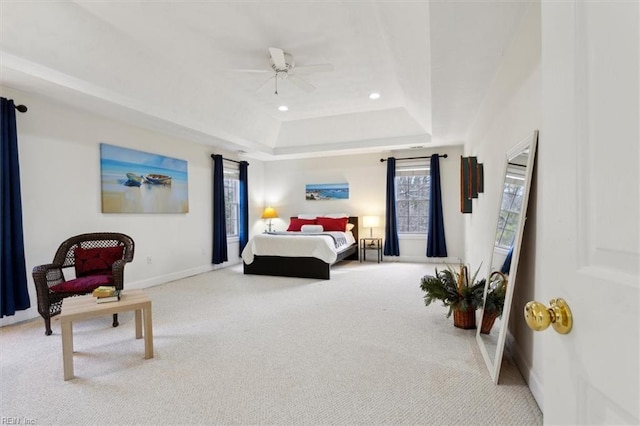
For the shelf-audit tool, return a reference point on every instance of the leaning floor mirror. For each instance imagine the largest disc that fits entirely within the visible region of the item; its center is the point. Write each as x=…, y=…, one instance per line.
x=505, y=251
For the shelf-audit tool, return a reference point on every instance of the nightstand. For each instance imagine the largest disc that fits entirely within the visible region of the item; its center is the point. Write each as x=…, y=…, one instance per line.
x=370, y=244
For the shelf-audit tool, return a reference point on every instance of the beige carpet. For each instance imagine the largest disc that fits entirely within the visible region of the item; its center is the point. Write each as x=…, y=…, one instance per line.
x=233, y=349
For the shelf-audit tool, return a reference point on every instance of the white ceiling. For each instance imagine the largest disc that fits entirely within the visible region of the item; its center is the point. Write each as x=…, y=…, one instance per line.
x=173, y=66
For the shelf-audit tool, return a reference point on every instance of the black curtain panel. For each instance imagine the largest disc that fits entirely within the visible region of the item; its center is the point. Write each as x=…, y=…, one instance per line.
x=391, y=244
x=243, y=225
x=436, y=243
x=14, y=295
x=219, y=222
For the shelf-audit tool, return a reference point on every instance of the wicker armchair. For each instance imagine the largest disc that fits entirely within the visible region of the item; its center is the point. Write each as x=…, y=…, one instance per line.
x=98, y=259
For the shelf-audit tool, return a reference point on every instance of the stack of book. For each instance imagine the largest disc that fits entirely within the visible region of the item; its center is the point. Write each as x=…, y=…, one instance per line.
x=106, y=293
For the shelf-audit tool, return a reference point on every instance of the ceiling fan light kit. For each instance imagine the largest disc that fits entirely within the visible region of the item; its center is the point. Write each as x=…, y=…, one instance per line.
x=280, y=60
x=283, y=65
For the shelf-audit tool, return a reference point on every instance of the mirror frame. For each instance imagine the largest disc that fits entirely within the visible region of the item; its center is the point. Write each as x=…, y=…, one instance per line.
x=494, y=364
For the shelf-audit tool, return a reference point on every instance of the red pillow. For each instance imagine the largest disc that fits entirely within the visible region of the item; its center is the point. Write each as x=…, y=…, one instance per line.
x=96, y=261
x=296, y=223
x=333, y=224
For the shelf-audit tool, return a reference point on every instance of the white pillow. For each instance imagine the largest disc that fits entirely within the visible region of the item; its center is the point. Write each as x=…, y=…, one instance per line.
x=336, y=215
x=310, y=229
x=350, y=226
x=307, y=216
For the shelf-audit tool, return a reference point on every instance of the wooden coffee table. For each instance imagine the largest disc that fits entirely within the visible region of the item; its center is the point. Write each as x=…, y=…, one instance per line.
x=85, y=307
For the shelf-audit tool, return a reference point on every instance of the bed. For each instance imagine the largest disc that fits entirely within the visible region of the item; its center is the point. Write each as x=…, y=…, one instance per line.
x=260, y=257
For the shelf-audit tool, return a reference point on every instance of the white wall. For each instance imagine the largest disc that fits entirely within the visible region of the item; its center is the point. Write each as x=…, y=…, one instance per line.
x=60, y=180
x=510, y=112
x=285, y=182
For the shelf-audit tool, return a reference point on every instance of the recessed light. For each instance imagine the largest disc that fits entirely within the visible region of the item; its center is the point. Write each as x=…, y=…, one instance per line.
x=374, y=95
x=283, y=108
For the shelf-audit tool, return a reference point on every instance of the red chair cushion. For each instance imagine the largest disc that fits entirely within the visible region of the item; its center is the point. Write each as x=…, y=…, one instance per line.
x=83, y=284
x=96, y=261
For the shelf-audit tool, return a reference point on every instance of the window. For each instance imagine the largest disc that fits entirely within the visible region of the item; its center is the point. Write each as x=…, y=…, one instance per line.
x=510, y=207
x=413, y=187
x=231, y=200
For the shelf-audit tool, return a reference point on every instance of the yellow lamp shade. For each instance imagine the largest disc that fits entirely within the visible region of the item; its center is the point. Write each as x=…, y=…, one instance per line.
x=269, y=213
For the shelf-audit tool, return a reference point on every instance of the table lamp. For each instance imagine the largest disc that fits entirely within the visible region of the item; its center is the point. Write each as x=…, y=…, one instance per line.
x=371, y=222
x=269, y=213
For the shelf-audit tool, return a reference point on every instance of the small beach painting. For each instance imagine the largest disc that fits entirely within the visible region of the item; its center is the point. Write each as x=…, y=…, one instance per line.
x=141, y=182
x=327, y=191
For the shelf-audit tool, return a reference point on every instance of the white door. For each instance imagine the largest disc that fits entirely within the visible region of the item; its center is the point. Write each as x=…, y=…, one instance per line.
x=589, y=161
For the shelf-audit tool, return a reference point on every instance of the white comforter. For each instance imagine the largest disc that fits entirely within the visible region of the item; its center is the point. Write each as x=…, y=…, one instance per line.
x=312, y=245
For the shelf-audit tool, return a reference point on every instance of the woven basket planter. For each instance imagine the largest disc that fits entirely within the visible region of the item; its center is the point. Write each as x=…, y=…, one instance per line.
x=465, y=319
x=488, y=318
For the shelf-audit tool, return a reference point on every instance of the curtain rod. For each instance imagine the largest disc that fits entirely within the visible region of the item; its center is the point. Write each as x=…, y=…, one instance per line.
x=228, y=159
x=382, y=160
x=21, y=108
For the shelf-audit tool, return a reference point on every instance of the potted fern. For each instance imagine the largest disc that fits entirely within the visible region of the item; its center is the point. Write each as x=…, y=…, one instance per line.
x=494, y=301
x=457, y=291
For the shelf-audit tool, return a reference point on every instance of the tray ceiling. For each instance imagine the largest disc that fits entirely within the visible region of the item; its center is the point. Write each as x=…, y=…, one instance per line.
x=173, y=67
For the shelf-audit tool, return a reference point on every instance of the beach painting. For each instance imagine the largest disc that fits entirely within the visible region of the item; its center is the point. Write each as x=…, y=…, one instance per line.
x=140, y=182
x=327, y=191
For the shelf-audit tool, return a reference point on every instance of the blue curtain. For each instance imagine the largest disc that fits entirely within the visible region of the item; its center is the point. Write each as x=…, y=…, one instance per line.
x=436, y=243
x=391, y=245
x=14, y=295
x=244, y=205
x=219, y=223
x=506, y=266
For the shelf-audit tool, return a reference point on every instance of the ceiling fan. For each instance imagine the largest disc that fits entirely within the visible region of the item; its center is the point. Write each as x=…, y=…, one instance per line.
x=284, y=67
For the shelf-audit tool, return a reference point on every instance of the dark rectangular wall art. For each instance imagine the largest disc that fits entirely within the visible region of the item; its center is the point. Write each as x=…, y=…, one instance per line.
x=465, y=199
x=471, y=182
x=473, y=177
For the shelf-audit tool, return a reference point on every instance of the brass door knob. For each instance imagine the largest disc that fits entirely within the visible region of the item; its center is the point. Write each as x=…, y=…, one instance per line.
x=558, y=315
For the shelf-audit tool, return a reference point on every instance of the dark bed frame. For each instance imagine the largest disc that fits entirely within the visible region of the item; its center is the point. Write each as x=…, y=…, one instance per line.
x=301, y=267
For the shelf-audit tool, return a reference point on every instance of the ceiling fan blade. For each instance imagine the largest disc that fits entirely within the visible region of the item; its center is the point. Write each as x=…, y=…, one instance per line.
x=251, y=70
x=308, y=69
x=277, y=56
x=263, y=85
x=303, y=84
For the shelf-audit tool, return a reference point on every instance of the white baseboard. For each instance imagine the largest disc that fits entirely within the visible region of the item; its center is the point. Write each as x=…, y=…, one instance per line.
x=151, y=282
x=423, y=259
x=534, y=382
x=22, y=316
x=32, y=312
